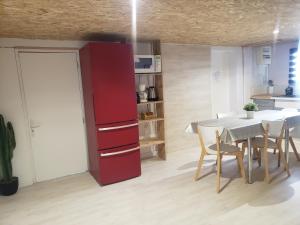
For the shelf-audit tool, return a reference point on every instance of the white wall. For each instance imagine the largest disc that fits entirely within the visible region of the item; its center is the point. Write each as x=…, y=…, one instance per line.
x=187, y=92
x=279, y=68
x=17, y=42
x=11, y=102
x=257, y=76
x=11, y=107
x=226, y=79
x=190, y=91
x=199, y=81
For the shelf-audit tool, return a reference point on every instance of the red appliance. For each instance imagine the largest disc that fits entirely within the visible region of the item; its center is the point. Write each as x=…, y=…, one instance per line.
x=110, y=111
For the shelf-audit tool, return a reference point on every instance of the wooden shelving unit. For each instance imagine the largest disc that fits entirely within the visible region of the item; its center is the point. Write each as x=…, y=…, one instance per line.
x=153, y=102
x=151, y=120
x=148, y=74
x=151, y=141
x=147, y=127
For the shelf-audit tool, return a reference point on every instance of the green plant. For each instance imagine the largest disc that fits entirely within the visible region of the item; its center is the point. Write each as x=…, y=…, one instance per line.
x=250, y=107
x=7, y=146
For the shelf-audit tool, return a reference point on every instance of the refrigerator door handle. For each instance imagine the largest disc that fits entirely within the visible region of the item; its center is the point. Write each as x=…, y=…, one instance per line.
x=119, y=152
x=118, y=127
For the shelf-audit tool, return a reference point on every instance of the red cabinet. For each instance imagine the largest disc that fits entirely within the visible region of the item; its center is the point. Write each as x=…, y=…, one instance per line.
x=117, y=135
x=113, y=80
x=119, y=164
x=111, y=111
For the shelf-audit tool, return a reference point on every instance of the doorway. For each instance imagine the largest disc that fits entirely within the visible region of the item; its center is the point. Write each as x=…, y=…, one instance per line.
x=52, y=94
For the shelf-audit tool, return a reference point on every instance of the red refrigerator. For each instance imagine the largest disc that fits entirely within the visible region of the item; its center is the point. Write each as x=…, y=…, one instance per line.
x=110, y=111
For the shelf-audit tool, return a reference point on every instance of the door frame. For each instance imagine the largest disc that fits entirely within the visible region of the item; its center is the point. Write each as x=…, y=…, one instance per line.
x=19, y=50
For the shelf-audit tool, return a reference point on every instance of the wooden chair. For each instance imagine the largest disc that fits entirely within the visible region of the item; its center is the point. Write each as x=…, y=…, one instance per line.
x=290, y=138
x=271, y=129
x=218, y=148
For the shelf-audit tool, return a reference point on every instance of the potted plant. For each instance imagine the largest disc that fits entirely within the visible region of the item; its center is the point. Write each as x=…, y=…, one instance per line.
x=8, y=183
x=250, y=108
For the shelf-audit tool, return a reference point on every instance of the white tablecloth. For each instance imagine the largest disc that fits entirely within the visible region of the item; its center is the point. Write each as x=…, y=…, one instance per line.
x=237, y=128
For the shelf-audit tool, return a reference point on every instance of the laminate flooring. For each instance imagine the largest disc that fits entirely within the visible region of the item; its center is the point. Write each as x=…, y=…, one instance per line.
x=165, y=194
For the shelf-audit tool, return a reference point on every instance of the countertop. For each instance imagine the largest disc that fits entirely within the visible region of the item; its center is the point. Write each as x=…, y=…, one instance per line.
x=278, y=98
x=262, y=96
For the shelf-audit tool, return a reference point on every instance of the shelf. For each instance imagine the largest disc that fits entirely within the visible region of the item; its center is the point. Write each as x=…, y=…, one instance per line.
x=150, y=142
x=153, y=102
x=151, y=120
x=148, y=74
x=157, y=107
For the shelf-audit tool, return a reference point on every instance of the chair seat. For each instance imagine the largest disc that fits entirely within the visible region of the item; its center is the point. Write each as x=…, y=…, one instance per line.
x=259, y=142
x=241, y=141
x=224, y=148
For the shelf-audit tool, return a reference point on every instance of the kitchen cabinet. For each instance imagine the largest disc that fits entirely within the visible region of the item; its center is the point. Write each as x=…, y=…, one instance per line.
x=265, y=104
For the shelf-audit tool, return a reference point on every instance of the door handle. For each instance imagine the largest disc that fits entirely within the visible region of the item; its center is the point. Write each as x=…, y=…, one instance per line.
x=118, y=127
x=34, y=125
x=119, y=152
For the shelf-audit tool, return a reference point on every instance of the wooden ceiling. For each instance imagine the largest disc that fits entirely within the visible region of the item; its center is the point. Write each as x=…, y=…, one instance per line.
x=208, y=22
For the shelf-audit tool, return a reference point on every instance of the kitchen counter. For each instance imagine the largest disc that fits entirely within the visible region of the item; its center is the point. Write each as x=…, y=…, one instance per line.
x=286, y=98
x=265, y=102
x=261, y=96
x=279, y=98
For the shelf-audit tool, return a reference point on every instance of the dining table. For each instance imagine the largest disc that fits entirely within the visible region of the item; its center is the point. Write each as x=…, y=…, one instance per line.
x=241, y=128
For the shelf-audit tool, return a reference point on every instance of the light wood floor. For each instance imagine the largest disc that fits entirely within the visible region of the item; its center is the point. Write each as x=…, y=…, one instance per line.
x=164, y=194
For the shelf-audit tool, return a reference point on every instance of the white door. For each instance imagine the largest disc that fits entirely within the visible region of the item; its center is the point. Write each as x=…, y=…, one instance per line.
x=52, y=95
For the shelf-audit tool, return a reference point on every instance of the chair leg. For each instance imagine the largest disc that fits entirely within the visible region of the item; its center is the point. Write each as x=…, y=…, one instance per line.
x=266, y=165
x=243, y=150
x=274, y=150
x=241, y=166
x=218, y=173
x=237, y=162
x=221, y=169
x=199, y=167
x=259, y=158
x=294, y=148
x=279, y=159
x=284, y=161
x=256, y=153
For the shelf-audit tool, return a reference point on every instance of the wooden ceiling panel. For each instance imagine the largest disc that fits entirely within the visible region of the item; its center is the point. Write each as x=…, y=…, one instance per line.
x=210, y=22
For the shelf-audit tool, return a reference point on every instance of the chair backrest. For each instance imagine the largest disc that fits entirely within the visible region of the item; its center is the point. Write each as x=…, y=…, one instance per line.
x=207, y=135
x=275, y=128
x=224, y=115
x=293, y=120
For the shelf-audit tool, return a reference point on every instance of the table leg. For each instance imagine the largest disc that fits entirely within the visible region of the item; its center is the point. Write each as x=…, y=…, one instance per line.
x=286, y=144
x=249, y=161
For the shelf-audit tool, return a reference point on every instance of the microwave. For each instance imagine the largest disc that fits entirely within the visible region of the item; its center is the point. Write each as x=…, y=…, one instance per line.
x=147, y=63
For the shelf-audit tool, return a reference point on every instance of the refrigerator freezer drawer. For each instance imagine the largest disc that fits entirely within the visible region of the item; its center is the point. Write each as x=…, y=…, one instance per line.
x=119, y=164
x=117, y=135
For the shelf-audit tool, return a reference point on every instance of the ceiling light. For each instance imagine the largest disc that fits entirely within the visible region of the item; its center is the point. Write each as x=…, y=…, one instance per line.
x=276, y=31
x=133, y=22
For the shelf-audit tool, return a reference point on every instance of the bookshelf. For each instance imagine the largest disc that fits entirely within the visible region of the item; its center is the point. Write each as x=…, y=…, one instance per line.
x=152, y=131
